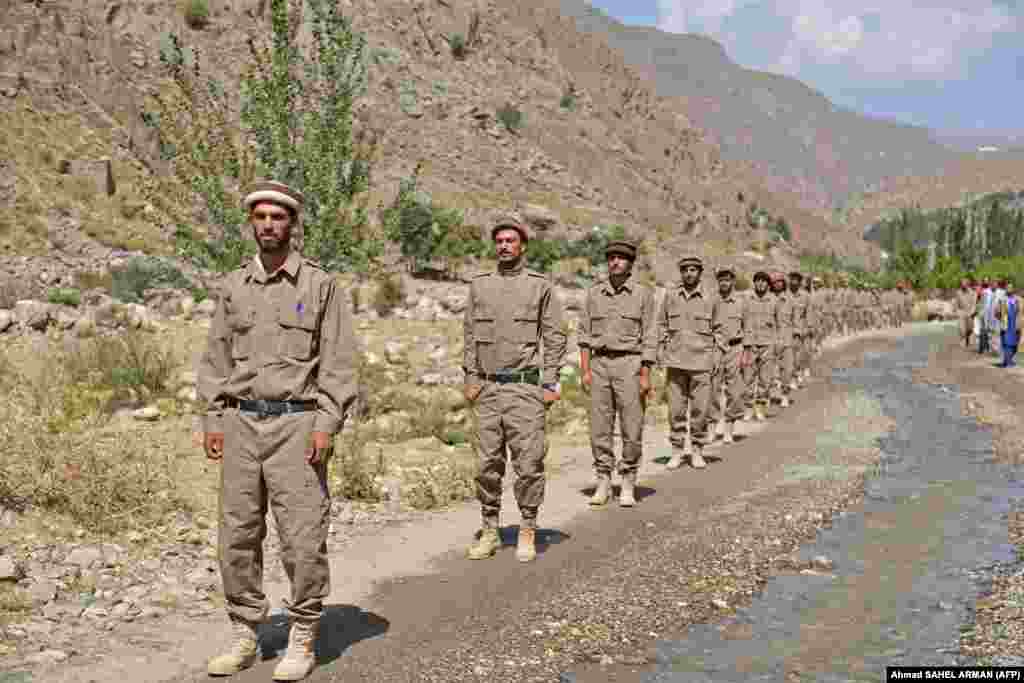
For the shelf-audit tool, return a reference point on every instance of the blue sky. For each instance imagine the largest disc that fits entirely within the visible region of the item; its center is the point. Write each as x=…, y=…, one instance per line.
x=947, y=64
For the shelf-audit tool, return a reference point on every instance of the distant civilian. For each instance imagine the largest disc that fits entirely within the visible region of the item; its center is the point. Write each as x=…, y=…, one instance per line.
x=1008, y=313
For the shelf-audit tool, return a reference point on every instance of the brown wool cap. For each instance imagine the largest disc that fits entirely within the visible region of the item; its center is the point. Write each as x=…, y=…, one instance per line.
x=796, y=275
x=622, y=248
x=691, y=261
x=725, y=270
x=509, y=221
x=762, y=275
x=778, y=276
x=273, y=191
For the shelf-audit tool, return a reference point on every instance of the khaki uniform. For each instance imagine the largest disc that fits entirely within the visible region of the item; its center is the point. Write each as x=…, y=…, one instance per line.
x=785, y=314
x=815, y=326
x=619, y=329
x=801, y=342
x=729, y=374
x=508, y=315
x=688, y=326
x=760, y=333
x=966, y=303
x=286, y=336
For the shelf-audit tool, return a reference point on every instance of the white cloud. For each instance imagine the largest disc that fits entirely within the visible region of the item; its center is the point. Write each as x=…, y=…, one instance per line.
x=915, y=39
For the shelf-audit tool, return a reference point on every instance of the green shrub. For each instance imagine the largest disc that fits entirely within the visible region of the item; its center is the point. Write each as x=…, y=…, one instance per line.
x=568, y=102
x=197, y=14
x=129, y=361
x=146, y=272
x=389, y=295
x=457, y=44
x=385, y=55
x=64, y=296
x=511, y=117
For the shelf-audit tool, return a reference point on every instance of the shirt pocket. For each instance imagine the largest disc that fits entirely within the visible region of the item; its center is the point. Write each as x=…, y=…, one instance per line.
x=524, y=328
x=630, y=328
x=240, y=325
x=297, y=331
x=484, y=328
x=598, y=325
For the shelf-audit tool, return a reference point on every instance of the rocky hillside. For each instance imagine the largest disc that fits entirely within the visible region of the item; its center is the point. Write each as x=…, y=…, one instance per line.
x=790, y=133
x=598, y=144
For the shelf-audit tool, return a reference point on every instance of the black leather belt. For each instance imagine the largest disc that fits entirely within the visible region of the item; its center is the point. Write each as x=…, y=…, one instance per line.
x=272, y=407
x=735, y=342
x=611, y=353
x=527, y=376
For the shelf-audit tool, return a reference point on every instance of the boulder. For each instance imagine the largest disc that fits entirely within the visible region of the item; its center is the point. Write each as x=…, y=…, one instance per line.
x=10, y=570
x=34, y=315
x=205, y=308
x=85, y=327
x=6, y=320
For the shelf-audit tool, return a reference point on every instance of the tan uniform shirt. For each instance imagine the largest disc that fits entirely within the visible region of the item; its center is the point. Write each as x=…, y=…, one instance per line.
x=815, y=303
x=801, y=301
x=620, y=320
x=785, y=314
x=966, y=301
x=731, y=316
x=507, y=315
x=760, y=320
x=688, y=329
x=286, y=336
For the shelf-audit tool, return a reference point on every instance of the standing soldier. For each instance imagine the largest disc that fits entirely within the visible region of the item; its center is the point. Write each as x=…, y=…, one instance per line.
x=278, y=379
x=688, y=347
x=814, y=320
x=966, y=303
x=618, y=344
x=508, y=314
x=728, y=377
x=784, y=313
x=760, y=332
x=801, y=343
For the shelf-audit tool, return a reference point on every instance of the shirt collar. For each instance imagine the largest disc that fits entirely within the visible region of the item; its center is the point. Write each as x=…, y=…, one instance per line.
x=290, y=267
x=627, y=286
x=697, y=291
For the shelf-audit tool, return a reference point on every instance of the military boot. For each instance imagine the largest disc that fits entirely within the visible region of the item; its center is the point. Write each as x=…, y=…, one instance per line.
x=486, y=545
x=784, y=401
x=627, y=496
x=603, y=491
x=243, y=652
x=687, y=446
x=728, y=438
x=748, y=414
x=300, y=658
x=526, y=548
x=793, y=386
x=697, y=459
x=759, y=412
x=676, y=461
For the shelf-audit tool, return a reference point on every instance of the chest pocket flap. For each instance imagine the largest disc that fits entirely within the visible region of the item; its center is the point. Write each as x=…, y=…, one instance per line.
x=297, y=321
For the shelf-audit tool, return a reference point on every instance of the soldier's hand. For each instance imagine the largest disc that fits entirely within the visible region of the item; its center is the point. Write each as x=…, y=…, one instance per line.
x=471, y=391
x=645, y=387
x=213, y=444
x=588, y=380
x=550, y=397
x=319, y=445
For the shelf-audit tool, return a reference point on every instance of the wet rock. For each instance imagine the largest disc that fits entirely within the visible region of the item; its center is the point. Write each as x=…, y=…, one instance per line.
x=821, y=563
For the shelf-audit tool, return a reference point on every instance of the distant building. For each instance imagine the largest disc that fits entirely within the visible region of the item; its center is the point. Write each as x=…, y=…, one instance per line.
x=988, y=148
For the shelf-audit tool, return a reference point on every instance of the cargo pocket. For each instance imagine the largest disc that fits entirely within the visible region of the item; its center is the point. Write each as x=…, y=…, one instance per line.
x=524, y=329
x=298, y=331
x=241, y=336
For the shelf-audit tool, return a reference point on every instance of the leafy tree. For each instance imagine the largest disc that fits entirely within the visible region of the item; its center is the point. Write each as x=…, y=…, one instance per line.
x=297, y=110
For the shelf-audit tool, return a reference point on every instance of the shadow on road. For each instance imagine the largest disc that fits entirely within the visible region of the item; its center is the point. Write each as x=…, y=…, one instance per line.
x=341, y=626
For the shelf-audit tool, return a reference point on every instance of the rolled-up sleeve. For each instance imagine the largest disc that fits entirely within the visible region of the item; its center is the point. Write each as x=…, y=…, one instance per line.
x=214, y=370
x=336, y=374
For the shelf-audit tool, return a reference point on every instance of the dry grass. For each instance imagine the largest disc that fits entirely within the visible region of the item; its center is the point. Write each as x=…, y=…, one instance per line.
x=35, y=141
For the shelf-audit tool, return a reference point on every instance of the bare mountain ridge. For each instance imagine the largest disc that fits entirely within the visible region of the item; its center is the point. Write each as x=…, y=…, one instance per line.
x=790, y=133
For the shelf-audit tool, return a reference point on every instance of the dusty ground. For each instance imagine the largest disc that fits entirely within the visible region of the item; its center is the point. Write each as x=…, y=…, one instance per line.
x=995, y=397
x=718, y=535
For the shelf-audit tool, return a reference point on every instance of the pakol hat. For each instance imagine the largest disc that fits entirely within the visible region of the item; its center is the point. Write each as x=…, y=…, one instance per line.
x=762, y=275
x=796, y=275
x=778, y=276
x=273, y=191
x=691, y=261
x=725, y=271
x=508, y=221
x=622, y=248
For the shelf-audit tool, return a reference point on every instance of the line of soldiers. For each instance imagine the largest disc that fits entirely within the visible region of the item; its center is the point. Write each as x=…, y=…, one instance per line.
x=750, y=349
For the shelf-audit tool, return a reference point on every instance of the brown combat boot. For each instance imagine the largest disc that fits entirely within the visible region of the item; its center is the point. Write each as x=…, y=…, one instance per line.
x=627, y=496
x=697, y=459
x=728, y=438
x=603, y=491
x=243, y=652
x=784, y=401
x=486, y=545
x=676, y=461
x=526, y=548
x=300, y=657
x=748, y=414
